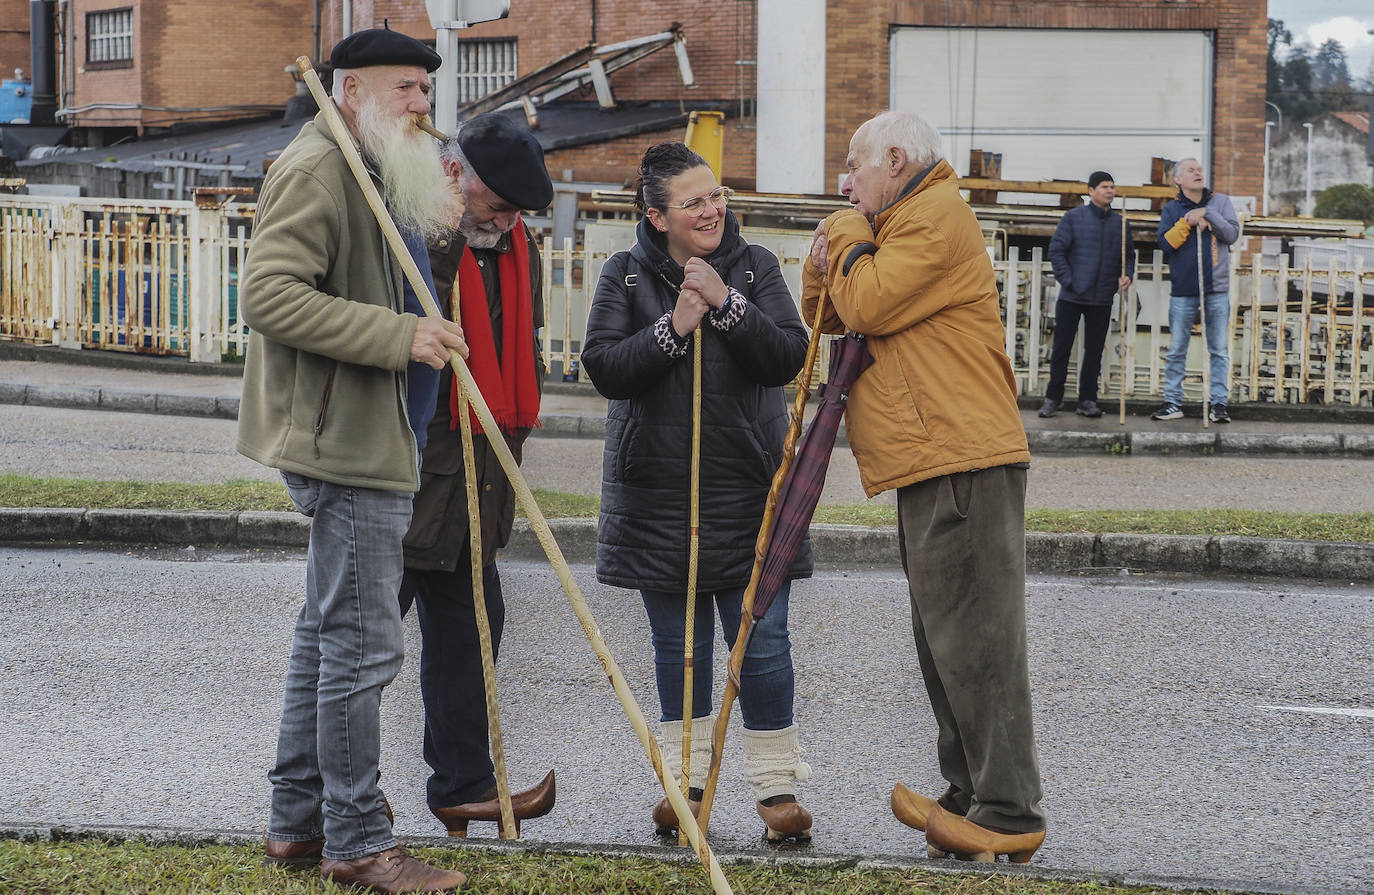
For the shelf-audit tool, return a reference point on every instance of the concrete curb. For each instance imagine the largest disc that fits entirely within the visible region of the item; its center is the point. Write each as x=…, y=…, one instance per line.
x=161, y=836
x=577, y=425
x=859, y=547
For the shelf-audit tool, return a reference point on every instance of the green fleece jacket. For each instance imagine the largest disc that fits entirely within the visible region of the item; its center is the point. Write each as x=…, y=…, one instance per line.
x=324, y=383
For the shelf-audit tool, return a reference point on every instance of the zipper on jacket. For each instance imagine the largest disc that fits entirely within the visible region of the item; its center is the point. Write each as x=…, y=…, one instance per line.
x=324, y=406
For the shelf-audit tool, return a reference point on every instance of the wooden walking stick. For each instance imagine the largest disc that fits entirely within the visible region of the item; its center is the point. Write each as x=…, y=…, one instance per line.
x=523, y=496
x=1124, y=296
x=746, y=617
x=479, y=602
x=693, y=555
x=1206, y=349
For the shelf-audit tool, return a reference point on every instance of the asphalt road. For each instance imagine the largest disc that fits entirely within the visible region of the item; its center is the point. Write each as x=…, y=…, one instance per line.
x=45, y=441
x=1215, y=729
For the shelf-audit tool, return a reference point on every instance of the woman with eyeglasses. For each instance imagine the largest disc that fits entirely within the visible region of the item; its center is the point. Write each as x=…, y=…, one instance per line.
x=691, y=275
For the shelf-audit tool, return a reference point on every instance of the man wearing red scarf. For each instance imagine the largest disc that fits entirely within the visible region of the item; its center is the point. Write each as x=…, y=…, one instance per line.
x=487, y=276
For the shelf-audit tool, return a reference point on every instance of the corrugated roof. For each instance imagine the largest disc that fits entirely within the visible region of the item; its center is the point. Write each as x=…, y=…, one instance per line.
x=1358, y=120
x=561, y=125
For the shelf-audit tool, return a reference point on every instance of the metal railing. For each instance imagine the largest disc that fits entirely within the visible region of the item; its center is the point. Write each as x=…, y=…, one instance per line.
x=162, y=278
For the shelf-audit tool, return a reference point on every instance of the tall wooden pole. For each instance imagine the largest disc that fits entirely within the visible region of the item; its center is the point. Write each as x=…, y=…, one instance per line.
x=693, y=556
x=746, y=615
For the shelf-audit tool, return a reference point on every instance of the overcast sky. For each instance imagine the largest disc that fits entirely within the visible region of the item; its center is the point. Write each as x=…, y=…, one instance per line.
x=1348, y=21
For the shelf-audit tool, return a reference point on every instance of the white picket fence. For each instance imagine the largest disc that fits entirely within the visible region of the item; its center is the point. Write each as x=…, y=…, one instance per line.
x=162, y=278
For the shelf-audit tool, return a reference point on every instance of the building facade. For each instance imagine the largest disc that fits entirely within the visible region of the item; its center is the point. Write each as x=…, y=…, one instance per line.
x=150, y=64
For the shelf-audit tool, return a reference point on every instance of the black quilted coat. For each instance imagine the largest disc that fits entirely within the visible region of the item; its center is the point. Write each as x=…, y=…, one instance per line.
x=642, y=539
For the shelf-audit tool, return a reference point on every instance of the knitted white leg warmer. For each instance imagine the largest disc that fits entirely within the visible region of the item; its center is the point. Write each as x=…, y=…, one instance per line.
x=670, y=744
x=772, y=762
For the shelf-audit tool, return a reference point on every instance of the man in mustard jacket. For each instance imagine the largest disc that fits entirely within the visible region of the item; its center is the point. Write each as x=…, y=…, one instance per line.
x=935, y=418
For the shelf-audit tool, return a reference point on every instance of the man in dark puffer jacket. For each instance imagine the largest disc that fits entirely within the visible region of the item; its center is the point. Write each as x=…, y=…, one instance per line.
x=1086, y=256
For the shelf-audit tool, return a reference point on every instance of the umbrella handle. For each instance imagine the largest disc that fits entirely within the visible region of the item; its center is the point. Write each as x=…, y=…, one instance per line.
x=746, y=617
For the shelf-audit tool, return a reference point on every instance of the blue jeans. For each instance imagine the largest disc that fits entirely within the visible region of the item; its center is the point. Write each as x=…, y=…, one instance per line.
x=348, y=645
x=1182, y=310
x=457, y=739
x=766, y=681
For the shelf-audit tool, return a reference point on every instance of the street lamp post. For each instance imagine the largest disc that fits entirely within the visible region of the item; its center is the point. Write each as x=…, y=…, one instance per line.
x=1308, y=177
x=1264, y=209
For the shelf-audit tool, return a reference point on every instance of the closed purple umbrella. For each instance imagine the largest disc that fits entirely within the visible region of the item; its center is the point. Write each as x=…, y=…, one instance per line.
x=801, y=489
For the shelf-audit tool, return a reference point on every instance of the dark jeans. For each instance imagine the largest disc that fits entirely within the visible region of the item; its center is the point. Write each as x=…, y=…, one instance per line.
x=1096, y=320
x=766, y=680
x=457, y=744
x=963, y=545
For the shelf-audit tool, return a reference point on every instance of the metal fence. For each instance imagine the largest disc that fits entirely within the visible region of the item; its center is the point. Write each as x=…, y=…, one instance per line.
x=162, y=278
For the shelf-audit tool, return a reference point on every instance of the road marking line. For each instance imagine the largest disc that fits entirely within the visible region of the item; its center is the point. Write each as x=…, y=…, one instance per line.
x=1318, y=710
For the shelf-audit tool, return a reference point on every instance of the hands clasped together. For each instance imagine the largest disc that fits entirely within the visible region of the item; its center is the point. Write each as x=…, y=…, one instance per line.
x=702, y=292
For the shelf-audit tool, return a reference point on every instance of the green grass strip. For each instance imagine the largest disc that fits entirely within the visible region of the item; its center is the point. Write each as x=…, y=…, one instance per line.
x=94, y=867
x=24, y=491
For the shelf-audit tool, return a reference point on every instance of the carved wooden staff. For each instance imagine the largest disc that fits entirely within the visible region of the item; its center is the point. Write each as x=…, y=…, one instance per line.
x=479, y=602
x=746, y=617
x=1124, y=291
x=1206, y=349
x=689, y=635
x=523, y=496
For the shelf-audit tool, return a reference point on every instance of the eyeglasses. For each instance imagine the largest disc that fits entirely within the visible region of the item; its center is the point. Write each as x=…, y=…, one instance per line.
x=696, y=206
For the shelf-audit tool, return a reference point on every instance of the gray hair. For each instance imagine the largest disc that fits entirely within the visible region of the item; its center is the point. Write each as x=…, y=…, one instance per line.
x=1179, y=164
x=907, y=131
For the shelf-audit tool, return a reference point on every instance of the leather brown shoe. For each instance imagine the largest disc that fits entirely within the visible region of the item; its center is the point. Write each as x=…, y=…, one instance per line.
x=665, y=818
x=784, y=818
x=536, y=801
x=959, y=836
x=296, y=855
x=391, y=872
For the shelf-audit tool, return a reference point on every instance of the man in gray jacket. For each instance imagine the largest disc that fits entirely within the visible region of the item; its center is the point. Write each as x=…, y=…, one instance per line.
x=1198, y=215
x=325, y=400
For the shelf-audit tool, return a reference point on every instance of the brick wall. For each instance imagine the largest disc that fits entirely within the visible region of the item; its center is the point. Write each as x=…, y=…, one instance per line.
x=104, y=85
x=14, y=37
x=615, y=161
x=858, y=88
x=190, y=58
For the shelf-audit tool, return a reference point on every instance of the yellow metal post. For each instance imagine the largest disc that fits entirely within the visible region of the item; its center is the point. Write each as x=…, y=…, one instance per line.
x=706, y=137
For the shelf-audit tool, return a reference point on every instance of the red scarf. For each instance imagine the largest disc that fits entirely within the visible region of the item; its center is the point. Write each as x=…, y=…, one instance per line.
x=509, y=387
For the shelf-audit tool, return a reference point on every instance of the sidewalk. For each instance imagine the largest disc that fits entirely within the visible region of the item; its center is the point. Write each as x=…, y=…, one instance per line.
x=51, y=377
x=126, y=383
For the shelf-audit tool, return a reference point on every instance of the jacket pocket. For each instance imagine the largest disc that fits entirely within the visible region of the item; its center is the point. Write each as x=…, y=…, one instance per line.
x=325, y=395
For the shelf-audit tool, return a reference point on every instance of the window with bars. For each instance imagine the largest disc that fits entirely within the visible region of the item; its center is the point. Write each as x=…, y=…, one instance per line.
x=484, y=66
x=110, y=36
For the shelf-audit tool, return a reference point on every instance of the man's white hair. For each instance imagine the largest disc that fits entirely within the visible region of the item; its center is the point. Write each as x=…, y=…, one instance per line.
x=338, y=84
x=907, y=131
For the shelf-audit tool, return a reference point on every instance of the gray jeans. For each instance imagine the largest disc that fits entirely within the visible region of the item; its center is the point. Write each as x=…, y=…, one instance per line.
x=963, y=543
x=348, y=645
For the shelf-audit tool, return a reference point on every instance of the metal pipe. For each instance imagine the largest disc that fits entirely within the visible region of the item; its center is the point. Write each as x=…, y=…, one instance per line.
x=1264, y=207
x=347, y=21
x=1307, y=204
x=43, y=61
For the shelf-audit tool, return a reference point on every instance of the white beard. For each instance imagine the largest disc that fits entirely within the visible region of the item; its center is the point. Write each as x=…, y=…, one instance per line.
x=480, y=236
x=420, y=196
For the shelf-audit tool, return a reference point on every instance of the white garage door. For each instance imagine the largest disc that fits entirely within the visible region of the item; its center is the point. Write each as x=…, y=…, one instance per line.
x=1059, y=104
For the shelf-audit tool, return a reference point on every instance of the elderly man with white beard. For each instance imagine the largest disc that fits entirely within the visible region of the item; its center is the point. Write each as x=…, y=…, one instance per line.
x=339, y=385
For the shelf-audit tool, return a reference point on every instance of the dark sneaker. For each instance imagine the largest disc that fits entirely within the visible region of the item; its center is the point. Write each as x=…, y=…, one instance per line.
x=1218, y=414
x=1048, y=408
x=1089, y=409
x=1168, y=411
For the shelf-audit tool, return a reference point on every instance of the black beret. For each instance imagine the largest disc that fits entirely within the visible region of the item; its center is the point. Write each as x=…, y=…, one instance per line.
x=1098, y=177
x=508, y=159
x=381, y=46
